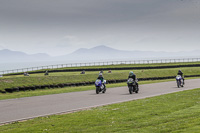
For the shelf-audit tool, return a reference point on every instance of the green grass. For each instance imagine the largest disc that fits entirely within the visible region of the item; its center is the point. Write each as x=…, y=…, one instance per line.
x=176, y=112
x=75, y=77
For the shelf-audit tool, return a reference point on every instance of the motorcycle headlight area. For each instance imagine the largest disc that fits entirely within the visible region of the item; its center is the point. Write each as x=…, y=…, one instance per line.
x=97, y=82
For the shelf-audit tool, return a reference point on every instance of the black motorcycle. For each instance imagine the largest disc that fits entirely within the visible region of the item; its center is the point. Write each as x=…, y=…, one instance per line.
x=133, y=87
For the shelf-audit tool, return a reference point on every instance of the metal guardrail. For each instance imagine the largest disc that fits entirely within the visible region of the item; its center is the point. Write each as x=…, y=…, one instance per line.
x=100, y=64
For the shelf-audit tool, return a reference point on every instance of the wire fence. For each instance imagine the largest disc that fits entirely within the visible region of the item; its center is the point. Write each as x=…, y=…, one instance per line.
x=99, y=64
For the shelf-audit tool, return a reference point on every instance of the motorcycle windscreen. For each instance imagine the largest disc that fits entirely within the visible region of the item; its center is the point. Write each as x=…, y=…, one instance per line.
x=178, y=77
x=130, y=80
x=98, y=82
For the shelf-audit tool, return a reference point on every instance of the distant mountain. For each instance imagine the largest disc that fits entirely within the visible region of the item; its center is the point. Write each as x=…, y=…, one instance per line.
x=106, y=53
x=17, y=56
x=99, y=53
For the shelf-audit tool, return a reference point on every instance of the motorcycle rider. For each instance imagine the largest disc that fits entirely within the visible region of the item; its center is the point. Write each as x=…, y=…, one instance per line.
x=100, y=77
x=181, y=74
x=133, y=76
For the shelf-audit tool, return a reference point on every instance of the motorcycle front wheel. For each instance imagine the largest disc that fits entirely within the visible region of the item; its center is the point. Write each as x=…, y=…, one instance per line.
x=130, y=89
x=178, y=84
x=97, y=90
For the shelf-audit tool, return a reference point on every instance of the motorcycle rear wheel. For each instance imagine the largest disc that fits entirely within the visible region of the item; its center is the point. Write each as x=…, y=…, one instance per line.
x=137, y=89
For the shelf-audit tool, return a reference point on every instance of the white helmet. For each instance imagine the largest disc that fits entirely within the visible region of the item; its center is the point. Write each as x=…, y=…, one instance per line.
x=100, y=74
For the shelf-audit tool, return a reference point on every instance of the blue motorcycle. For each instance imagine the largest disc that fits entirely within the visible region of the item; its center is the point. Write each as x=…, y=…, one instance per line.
x=179, y=81
x=100, y=86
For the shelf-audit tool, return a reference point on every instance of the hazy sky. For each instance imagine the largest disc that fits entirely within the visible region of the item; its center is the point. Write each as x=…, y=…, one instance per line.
x=59, y=27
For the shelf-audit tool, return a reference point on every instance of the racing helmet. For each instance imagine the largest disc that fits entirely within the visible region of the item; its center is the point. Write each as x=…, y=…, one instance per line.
x=130, y=73
x=100, y=74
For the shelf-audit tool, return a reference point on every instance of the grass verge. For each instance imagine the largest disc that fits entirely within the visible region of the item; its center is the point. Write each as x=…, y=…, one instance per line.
x=176, y=112
x=76, y=77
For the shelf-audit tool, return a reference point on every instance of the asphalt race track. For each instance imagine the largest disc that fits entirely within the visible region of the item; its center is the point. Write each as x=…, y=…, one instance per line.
x=30, y=107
